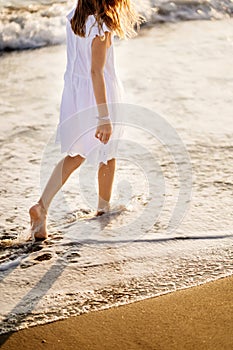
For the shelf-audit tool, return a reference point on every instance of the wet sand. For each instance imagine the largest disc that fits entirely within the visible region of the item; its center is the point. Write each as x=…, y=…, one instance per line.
x=196, y=318
x=182, y=71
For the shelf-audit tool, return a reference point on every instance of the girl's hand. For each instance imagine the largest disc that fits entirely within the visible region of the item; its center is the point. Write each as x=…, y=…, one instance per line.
x=104, y=130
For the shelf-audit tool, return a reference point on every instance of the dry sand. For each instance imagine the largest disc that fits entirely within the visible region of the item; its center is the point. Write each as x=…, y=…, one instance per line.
x=195, y=318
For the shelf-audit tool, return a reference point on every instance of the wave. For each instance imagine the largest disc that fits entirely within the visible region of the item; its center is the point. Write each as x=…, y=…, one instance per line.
x=43, y=24
x=31, y=26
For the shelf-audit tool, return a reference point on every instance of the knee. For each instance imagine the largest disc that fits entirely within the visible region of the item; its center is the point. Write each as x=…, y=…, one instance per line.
x=109, y=162
x=76, y=160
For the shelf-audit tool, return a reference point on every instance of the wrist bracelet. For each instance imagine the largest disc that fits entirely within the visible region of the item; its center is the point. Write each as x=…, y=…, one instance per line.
x=103, y=118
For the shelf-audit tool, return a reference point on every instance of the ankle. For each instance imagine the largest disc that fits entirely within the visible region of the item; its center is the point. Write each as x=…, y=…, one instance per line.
x=103, y=206
x=44, y=209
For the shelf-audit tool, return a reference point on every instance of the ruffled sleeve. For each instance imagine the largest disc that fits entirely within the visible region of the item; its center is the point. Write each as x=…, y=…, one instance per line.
x=70, y=14
x=92, y=29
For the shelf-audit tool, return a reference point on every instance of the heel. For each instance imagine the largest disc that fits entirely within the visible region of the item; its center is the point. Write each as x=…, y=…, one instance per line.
x=38, y=222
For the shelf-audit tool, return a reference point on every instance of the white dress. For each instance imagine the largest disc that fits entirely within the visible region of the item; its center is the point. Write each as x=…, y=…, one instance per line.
x=78, y=110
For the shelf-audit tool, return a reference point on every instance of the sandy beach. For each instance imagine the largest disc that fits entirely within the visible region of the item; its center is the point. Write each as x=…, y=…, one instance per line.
x=196, y=318
x=183, y=71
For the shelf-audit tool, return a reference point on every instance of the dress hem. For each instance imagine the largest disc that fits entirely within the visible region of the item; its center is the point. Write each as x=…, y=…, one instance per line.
x=85, y=157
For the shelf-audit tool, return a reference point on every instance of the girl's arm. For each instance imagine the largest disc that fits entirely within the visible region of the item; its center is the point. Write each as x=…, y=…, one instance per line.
x=99, y=51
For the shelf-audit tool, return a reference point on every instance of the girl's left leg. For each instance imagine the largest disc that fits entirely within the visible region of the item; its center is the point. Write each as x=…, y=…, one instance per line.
x=60, y=174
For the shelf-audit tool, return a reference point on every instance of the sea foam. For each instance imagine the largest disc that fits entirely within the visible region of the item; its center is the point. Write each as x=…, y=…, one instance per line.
x=39, y=24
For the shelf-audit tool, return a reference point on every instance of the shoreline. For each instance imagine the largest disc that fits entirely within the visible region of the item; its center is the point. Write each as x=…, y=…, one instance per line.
x=199, y=317
x=181, y=71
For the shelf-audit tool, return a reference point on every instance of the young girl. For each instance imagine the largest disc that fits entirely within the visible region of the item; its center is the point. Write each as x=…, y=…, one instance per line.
x=90, y=82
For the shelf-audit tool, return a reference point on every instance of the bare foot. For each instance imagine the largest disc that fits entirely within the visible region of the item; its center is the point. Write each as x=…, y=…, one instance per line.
x=101, y=211
x=38, y=222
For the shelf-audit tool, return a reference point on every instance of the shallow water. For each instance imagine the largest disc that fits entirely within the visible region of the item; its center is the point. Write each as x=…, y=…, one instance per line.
x=183, y=73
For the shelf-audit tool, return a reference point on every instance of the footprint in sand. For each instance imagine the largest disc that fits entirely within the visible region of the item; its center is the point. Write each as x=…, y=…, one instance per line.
x=71, y=256
x=36, y=258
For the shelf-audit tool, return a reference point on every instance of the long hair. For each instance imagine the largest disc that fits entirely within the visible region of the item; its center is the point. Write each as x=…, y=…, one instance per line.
x=119, y=15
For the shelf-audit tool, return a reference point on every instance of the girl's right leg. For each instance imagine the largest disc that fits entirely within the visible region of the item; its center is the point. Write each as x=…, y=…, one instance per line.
x=105, y=178
x=60, y=174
